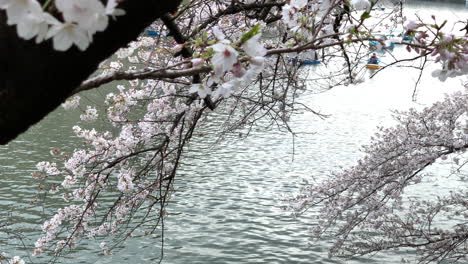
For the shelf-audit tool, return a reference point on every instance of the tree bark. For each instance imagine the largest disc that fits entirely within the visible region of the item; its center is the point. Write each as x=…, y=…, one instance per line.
x=35, y=79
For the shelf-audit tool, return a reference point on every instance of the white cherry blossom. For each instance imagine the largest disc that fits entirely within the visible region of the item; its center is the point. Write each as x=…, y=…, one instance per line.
x=35, y=23
x=224, y=58
x=111, y=9
x=17, y=9
x=289, y=16
x=253, y=47
x=219, y=35
x=299, y=4
x=90, y=15
x=66, y=34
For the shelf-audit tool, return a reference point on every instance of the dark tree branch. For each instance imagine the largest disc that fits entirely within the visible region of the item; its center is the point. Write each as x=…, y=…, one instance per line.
x=143, y=74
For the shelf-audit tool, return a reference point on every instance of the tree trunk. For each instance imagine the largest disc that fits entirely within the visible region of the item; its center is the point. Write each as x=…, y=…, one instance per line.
x=35, y=79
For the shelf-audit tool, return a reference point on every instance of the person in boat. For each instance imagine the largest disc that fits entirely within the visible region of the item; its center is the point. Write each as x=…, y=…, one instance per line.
x=374, y=59
x=315, y=56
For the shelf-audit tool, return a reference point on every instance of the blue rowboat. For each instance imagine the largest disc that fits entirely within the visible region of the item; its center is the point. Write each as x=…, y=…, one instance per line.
x=152, y=33
x=304, y=62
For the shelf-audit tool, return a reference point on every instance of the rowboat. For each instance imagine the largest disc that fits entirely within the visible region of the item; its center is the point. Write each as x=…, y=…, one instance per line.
x=152, y=33
x=373, y=66
x=309, y=62
x=304, y=62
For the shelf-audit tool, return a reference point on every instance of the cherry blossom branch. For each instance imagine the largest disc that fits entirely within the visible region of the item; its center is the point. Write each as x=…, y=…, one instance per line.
x=141, y=74
x=370, y=193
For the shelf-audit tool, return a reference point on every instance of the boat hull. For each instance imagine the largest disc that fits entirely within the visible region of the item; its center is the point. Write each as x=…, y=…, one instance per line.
x=305, y=62
x=373, y=66
x=310, y=62
x=152, y=33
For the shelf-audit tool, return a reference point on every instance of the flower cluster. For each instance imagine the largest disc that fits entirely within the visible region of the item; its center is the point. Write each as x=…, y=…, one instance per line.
x=300, y=16
x=81, y=20
x=87, y=173
x=229, y=70
x=448, y=49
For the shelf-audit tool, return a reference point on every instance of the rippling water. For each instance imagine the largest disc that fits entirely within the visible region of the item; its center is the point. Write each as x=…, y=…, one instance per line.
x=226, y=207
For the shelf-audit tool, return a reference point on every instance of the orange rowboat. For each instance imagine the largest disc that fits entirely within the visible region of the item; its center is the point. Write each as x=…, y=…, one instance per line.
x=373, y=66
